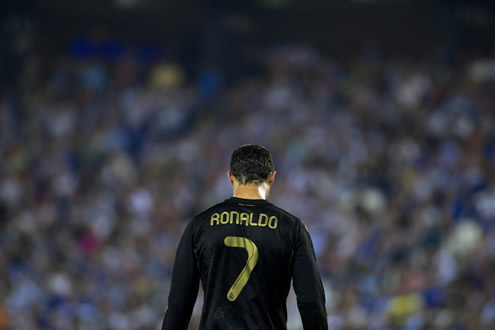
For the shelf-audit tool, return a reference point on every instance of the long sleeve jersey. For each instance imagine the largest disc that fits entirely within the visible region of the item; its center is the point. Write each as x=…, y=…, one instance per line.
x=245, y=253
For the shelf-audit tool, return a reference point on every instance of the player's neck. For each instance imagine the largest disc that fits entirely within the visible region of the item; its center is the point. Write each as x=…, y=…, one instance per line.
x=252, y=191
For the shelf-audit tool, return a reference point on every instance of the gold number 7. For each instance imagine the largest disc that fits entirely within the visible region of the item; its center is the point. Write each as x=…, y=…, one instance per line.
x=252, y=250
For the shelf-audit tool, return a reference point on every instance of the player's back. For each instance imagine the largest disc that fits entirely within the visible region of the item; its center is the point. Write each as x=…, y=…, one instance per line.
x=244, y=250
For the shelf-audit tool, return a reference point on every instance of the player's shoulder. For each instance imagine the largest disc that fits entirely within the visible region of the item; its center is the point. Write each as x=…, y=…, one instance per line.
x=206, y=213
x=296, y=223
x=284, y=213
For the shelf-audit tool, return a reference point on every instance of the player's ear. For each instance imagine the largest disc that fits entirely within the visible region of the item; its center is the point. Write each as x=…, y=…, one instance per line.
x=231, y=177
x=271, y=177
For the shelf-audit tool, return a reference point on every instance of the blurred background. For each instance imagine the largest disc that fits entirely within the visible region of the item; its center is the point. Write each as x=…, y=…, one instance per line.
x=118, y=119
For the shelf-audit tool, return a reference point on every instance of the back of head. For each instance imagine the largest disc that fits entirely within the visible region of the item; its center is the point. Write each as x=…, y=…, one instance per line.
x=251, y=163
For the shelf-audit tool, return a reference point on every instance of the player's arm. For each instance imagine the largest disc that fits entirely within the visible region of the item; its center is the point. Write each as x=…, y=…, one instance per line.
x=307, y=282
x=185, y=284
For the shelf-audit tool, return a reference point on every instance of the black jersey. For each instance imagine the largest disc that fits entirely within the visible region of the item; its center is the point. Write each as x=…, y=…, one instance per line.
x=245, y=252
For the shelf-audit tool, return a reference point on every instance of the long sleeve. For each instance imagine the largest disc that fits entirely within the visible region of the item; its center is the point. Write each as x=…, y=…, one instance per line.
x=307, y=282
x=185, y=284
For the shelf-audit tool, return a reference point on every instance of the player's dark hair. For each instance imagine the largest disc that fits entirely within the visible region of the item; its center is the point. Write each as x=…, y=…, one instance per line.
x=251, y=163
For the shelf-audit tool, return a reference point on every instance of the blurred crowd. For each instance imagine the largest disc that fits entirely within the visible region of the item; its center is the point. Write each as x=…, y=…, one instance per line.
x=390, y=163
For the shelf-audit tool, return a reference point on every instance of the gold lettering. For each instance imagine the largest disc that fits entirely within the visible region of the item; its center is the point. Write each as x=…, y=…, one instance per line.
x=251, y=223
x=232, y=213
x=262, y=220
x=224, y=218
x=244, y=218
x=215, y=217
x=273, y=222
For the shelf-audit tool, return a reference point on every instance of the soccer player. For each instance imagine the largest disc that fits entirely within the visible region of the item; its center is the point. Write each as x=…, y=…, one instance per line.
x=245, y=250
